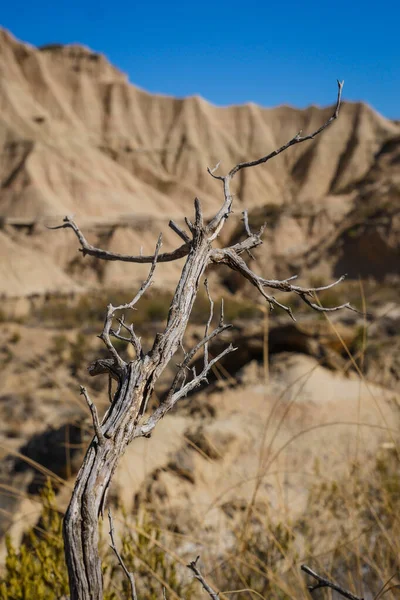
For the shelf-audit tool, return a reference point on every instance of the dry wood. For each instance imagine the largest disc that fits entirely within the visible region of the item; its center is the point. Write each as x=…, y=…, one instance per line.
x=136, y=379
x=324, y=582
x=197, y=573
x=130, y=576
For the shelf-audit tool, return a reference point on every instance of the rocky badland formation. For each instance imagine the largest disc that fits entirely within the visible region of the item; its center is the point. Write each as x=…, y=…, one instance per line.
x=76, y=137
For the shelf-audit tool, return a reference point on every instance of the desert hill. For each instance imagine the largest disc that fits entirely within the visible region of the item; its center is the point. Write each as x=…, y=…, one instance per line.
x=77, y=138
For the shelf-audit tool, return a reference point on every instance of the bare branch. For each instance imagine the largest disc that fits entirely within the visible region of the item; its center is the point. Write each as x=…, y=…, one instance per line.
x=117, y=334
x=284, y=285
x=105, y=337
x=137, y=379
x=111, y=310
x=95, y=416
x=180, y=377
x=194, y=568
x=147, y=282
x=190, y=225
x=297, y=139
x=319, y=308
x=217, y=222
x=236, y=263
x=230, y=257
x=191, y=385
x=323, y=582
x=246, y=222
x=322, y=287
x=133, y=339
x=212, y=171
x=182, y=234
x=88, y=249
x=105, y=365
x=199, y=214
x=246, y=245
x=208, y=322
x=121, y=322
x=146, y=429
x=113, y=546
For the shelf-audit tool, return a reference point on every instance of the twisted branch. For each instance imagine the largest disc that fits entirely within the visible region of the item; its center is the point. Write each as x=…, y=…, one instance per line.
x=88, y=249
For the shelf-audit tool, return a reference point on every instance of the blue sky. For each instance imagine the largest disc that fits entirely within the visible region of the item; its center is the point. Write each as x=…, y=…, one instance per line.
x=233, y=52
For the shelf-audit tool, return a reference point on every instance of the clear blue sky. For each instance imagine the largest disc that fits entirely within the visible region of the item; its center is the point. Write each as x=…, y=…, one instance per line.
x=233, y=52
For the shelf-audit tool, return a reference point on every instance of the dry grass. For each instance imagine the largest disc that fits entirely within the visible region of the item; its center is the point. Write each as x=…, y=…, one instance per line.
x=349, y=530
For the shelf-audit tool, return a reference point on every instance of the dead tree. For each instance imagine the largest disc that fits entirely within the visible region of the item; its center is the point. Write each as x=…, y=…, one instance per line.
x=126, y=417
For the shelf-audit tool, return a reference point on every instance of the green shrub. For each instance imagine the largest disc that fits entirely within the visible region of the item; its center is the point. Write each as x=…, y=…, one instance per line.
x=37, y=569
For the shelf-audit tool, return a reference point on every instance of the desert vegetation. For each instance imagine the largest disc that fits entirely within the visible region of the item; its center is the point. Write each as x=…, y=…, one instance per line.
x=348, y=531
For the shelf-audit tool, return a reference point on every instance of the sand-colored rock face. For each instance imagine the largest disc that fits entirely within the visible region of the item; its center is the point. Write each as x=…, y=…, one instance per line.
x=77, y=138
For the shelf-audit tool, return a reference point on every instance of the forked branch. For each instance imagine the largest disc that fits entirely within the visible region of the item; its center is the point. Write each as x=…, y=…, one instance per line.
x=229, y=257
x=132, y=339
x=179, y=387
x=111, y=312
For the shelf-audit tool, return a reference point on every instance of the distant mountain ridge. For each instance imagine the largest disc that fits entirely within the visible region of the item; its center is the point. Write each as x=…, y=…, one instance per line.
x=77, y=138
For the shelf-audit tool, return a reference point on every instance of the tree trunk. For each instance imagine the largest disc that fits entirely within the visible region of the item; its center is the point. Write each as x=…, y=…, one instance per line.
x=81, y=534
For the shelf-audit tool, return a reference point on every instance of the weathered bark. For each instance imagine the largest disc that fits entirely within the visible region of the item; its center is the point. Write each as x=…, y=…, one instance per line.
x=118, y=427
